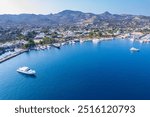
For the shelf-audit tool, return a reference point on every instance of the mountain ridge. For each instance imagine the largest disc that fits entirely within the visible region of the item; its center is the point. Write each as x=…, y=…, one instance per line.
x=70, y=17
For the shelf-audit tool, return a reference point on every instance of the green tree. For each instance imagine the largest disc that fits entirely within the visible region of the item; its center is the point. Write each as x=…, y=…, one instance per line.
x=48, y=40
x=21, y=37
x=54, y=34
x=91, y=34
x=30, y=35
x=100, y=34
x=30, y=44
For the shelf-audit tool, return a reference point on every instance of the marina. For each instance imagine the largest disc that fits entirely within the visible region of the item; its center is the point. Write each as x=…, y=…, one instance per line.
x=143, y=39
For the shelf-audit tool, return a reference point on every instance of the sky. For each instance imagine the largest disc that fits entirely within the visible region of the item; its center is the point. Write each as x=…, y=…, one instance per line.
x=137, y=7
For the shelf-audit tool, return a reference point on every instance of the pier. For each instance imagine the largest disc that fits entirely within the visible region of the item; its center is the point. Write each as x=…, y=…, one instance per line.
x=12, y=55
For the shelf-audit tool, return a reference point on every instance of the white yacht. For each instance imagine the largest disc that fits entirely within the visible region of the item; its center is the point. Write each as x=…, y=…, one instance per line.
x=26, y=70
x=141, y=41
x=72, y=42
x=57, y=45
x=63, y=43
x=134, y=49
x=81, y=41
x=76, y=40
x=132, y=39
x=95, y=41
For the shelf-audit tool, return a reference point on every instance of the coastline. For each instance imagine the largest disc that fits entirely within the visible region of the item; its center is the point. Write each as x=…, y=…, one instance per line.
x=56, y=45
x=12, y=55
x=73, y=41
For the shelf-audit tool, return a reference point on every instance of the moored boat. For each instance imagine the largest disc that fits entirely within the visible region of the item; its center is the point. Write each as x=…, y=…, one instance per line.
x=56, y=45
x=133, y=49
x=76, y=40
x=95, y=41
x=81, y=41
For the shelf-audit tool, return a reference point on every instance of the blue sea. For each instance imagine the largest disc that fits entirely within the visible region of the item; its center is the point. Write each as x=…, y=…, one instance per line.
x=103, y=71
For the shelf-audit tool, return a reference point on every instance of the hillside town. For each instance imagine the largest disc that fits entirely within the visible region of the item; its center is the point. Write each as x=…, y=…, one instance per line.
x=18, y=38
x=33, y=37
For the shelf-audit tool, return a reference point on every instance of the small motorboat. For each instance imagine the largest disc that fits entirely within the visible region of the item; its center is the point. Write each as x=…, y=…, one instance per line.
x=134, y=49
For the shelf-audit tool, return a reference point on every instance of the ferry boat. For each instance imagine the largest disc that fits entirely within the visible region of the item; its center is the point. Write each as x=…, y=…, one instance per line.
x=134, y=49
x=26, y=70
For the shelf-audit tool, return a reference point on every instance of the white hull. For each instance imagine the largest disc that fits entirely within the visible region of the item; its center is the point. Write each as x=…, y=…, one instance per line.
x=27, y=73
x=132, y=40
x=134, y=49
x=81, y=41
x=95, y=41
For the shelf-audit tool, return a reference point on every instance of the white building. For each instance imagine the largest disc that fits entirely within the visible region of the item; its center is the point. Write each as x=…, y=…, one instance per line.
x=40, y=36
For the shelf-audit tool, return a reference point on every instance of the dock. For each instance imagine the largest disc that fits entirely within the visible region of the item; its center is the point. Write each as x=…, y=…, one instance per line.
x=12, y=55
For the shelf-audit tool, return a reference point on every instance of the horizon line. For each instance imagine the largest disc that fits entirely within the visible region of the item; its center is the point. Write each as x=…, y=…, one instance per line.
x=23, y=13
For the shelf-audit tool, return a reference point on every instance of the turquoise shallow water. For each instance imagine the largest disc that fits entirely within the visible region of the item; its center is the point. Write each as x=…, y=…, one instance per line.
x=107, y=70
